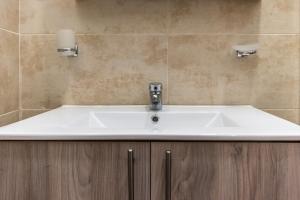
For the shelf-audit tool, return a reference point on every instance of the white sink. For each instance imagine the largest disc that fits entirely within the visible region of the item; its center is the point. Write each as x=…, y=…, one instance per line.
x=168, y=120
x=134, y=123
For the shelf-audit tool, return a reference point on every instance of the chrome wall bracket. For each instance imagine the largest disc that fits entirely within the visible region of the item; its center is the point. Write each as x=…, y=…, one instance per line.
x=241, y=54
x=70, y=52
x=245, y=50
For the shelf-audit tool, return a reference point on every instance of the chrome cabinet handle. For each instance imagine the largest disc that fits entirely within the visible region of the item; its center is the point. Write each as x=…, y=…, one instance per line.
x=130, y=175
x=168, y=174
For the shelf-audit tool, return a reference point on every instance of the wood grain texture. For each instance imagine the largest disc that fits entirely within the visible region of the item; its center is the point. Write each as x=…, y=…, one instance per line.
x=227, y=171
x=14, y=171
x=72, y=170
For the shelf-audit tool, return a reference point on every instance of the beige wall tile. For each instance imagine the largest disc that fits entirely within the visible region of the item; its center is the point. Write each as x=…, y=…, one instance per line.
x=202, y=67
x=9, y=118
x=109, y=70
x=44, y=73
x=9, y=70
x=291, y=115
x=9, y=15
x=94, y=16
x=280, y=16
x=30, y=113
x=143, y=16
x=277, y=74
x=204, y=70
x=214, y=16
x=234, y=16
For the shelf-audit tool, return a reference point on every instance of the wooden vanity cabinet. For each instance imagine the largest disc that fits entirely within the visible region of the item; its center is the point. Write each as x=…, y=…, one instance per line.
x=73, y=170
x=105, y=170
x=225, y=171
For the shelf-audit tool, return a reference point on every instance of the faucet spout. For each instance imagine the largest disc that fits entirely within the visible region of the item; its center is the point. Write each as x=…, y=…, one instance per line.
x=155, y=91
x=155, y=98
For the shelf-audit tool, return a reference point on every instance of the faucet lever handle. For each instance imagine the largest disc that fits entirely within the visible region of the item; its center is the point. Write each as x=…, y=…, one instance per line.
x=155, y=87
x=155, y=90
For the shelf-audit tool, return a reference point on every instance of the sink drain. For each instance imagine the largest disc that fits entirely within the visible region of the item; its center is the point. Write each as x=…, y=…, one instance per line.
x=155, y=118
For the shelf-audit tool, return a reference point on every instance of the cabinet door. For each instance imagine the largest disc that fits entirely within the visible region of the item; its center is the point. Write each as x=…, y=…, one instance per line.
x=226, y=171
x=73, y=170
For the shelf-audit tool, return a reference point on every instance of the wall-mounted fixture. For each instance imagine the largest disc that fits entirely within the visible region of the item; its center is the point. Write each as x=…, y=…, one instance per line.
x=245, y=50
x=66, y=44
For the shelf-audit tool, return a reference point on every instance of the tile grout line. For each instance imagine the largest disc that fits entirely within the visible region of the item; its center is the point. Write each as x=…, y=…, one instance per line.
x=168, y=20
x=20, y=71
x=170, y=105
x=298, y=77
x=103, y=34
x=8, y=113
x=12, y=32
x=167, y=33
x=278, y=108
x=35, y=109
x=168, y=99
x=298, y=120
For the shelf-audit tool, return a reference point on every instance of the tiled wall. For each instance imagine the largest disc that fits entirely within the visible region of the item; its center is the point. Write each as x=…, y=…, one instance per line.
x=9, y=61
x=186, y=44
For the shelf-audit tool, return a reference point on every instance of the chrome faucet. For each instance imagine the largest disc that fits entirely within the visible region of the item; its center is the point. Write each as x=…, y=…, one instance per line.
x=155, y=91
